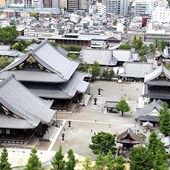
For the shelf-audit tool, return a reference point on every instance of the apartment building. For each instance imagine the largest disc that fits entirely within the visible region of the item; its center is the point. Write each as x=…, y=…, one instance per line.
x=25, y=3
x=144, y=7
x=73, y=5
x=161, y=13
x=117, y=7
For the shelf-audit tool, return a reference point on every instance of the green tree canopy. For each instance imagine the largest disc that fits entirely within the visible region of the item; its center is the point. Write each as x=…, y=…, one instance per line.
x=120, y=163
x=102, y=143
x=71, y=163
x=153, y=141
x=160, y=158
x=95, y=70
x=162, y=45
x=33, y=161
x=140, y=158
x=99, y=162
x=125, y=46
x=84, y=67
x=109, y=161
x=87, y=163
x=152, y=47
x=143, y=59
x=4, y=164
x=35, y=15
x=58, y=162
x=18, y=46
x=4, y=62
x=123, y=106
x=73, y=56
x=164, y=120
x=71, y=47
x=8, y=34
x=137, y=43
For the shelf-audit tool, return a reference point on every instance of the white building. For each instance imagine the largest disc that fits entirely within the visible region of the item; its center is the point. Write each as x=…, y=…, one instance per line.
x=117, y=7
x=101, y=9
x=25, y=3
x=144, y=7
x=161, y=13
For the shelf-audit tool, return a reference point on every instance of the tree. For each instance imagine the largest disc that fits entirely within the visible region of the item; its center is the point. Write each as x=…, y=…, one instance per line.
x=153, y=140
x=4, y=62
x=4, y=164
x=109, y=161
x=122, y=106
x=152, y=48
x=143, y=59
x=87, y=163
x=105, y=73
x=125, y=46
x=99, y=162
x=73, y=56
x=102, y=143
x=35, y=15
x=8, y=34
x=137, y=43
x=142, y=51
x=18, y=46
x=95, y=69
x=160, y=158
x=120, y=163
x=84, y=67
x=33, y=161
x=70, y=165
x=140, y=158
x=111, y=74
x=162, y=45
x=164, y=119
x=58, y=162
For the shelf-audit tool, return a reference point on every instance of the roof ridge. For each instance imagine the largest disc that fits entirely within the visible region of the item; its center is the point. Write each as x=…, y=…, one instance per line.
x=59, y=52
x=40, y=45
x=5, y=81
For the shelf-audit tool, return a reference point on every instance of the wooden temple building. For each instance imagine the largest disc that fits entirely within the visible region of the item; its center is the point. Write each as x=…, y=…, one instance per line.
x=150, y=112
x=49, y=74
x=128, y=139
x=157, y=84
x=22, y=114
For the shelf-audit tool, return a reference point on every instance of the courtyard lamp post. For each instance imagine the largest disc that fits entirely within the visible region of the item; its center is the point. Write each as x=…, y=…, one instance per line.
x=95, y=101
x=69, y=123
x=62, y=136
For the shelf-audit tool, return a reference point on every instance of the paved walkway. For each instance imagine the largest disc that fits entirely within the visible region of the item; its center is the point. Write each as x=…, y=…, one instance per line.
x=56, y=136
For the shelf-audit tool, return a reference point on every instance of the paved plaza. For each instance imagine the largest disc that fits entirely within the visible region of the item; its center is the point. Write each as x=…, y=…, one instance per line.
x=87, y=121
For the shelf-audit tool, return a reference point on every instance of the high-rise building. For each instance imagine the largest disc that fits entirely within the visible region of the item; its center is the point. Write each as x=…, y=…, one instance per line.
x=161, y=13
x=73, y=5
x=144, y=7
x=117, y=7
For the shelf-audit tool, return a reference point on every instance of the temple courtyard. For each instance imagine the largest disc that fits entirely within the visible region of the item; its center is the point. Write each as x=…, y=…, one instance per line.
x=87, y=121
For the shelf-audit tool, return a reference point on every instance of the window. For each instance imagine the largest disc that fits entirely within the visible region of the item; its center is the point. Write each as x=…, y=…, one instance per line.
x=8, y=132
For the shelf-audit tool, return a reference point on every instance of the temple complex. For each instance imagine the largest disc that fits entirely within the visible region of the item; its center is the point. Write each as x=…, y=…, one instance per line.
x=49, y=74
x=22, y=114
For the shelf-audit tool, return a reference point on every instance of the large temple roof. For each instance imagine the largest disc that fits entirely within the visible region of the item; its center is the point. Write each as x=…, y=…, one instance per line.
x=23, y=105
x=128, y=137
x=61, y=90
x=150, y=112
x=157, y=72
x=50, y=58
